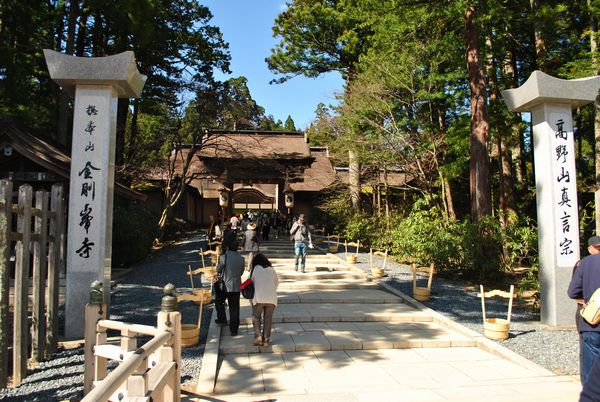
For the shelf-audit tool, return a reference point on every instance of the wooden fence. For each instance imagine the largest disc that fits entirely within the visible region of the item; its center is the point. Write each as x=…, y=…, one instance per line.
x=37, y=246
x=151, y=372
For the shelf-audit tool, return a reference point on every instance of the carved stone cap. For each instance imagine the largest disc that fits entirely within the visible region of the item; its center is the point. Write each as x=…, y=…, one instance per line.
x=118, y=71
x=543, y=88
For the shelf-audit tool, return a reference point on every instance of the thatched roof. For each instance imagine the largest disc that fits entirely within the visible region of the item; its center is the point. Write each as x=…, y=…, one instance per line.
x=319, y=175
x=48, y=155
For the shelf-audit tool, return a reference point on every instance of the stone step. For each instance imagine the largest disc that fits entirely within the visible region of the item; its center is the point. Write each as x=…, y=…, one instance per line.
x=327, y=335
x=318, y=275
x=344, y=312
x=322, y=296
x=312, y=267
x=326, y=284
x=313, y=258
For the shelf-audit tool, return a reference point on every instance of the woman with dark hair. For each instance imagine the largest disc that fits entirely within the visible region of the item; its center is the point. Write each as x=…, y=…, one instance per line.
x=264, y=302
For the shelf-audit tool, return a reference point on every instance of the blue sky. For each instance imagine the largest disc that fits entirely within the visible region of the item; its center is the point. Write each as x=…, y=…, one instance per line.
x=247, y=27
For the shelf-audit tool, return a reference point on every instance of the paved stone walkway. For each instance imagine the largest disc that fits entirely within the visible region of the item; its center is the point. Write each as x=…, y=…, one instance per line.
x=340, y=336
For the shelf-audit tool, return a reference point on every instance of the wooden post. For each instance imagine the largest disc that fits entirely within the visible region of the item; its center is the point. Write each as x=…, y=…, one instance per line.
x=54, y=263
x=40, y=261
x=21, y=302
x=5, y=224
x=94, y=311
x=170, y=320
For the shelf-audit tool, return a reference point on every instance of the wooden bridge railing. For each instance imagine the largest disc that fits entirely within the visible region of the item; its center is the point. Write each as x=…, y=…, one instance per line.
x=151, y=372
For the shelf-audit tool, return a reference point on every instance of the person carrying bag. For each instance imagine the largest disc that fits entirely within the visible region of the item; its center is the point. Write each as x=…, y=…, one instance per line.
x=229, y=269
x=264, y=302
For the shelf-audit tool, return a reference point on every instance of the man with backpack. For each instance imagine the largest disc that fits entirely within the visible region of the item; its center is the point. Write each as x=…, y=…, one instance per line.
x=585, y=281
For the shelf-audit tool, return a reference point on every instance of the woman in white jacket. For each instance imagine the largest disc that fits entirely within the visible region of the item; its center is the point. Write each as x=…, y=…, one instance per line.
x=264, y=302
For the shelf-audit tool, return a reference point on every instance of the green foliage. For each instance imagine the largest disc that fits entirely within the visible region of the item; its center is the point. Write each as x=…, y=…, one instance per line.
x=317, y=37
x=520, y=241
x=461, y=249
x=134, y=230
x=289, y=124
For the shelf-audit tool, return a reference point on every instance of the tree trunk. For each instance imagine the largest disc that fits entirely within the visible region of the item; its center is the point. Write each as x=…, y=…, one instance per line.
x=354, y=179
x=540, y=44
x=449, y=202
x=507, y=200
x=122, y=112
x=64, y=112
x=133, y=134
x=479, y=166
x=81, y=35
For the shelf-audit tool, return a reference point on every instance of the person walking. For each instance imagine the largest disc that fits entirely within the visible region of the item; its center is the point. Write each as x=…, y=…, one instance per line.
x=250, y=238
x=230, y=268
x=585, y=280
x=266, y=228
x=234, y=223
x=250, y=241
x=302, y=241
x=229, y=238
x=264, y=301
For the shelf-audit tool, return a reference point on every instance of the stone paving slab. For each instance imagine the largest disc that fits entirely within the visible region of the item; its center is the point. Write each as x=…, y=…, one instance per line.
x=312, y=284
x=345, y=312
x=386, y=375
x=300, y=276
x=313, y=336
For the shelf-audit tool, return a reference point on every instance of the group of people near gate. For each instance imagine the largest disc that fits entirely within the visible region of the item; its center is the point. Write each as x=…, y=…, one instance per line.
x=231, y=266
x=265, y=224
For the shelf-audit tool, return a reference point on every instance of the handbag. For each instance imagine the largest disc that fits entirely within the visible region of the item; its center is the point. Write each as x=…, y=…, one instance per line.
x=247, y=287
x=219, y=284
x=220, y=288
x=591, y=310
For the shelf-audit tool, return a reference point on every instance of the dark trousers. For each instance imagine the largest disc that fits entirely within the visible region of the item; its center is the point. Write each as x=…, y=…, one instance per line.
x=233, y=301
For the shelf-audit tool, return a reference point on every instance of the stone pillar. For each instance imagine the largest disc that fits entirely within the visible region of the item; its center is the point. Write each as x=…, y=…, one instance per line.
x=550, y=101
x=96, y=83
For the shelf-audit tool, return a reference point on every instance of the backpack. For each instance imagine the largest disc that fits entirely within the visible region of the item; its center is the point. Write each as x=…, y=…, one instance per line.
x=591, y=310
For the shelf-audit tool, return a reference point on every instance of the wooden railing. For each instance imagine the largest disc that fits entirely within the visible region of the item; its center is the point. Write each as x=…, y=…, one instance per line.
x=41, y=249
x=151, y=372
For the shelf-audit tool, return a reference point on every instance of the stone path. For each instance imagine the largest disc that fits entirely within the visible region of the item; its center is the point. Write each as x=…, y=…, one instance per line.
x=339, y=336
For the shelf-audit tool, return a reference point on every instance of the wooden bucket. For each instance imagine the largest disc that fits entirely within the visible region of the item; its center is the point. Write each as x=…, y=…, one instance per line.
x=205, y=293
x=351, y=259
x=333, y=249
x=376, y=272
x=496, y=328
x=190, y=335
x=421, y=294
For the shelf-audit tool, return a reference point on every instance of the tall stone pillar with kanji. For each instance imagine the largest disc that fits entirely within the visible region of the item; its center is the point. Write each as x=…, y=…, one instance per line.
x=550, y=101
x=96, y=83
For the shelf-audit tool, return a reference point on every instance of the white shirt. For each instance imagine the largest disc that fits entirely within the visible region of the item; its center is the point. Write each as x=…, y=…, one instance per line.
x=265, y=285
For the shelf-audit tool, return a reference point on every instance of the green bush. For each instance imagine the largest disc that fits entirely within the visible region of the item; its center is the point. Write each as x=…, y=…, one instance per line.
x=459, y=249
x=134, y=230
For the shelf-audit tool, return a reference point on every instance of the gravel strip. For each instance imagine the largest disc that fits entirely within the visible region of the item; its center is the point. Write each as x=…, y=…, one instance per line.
x=556, y=350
